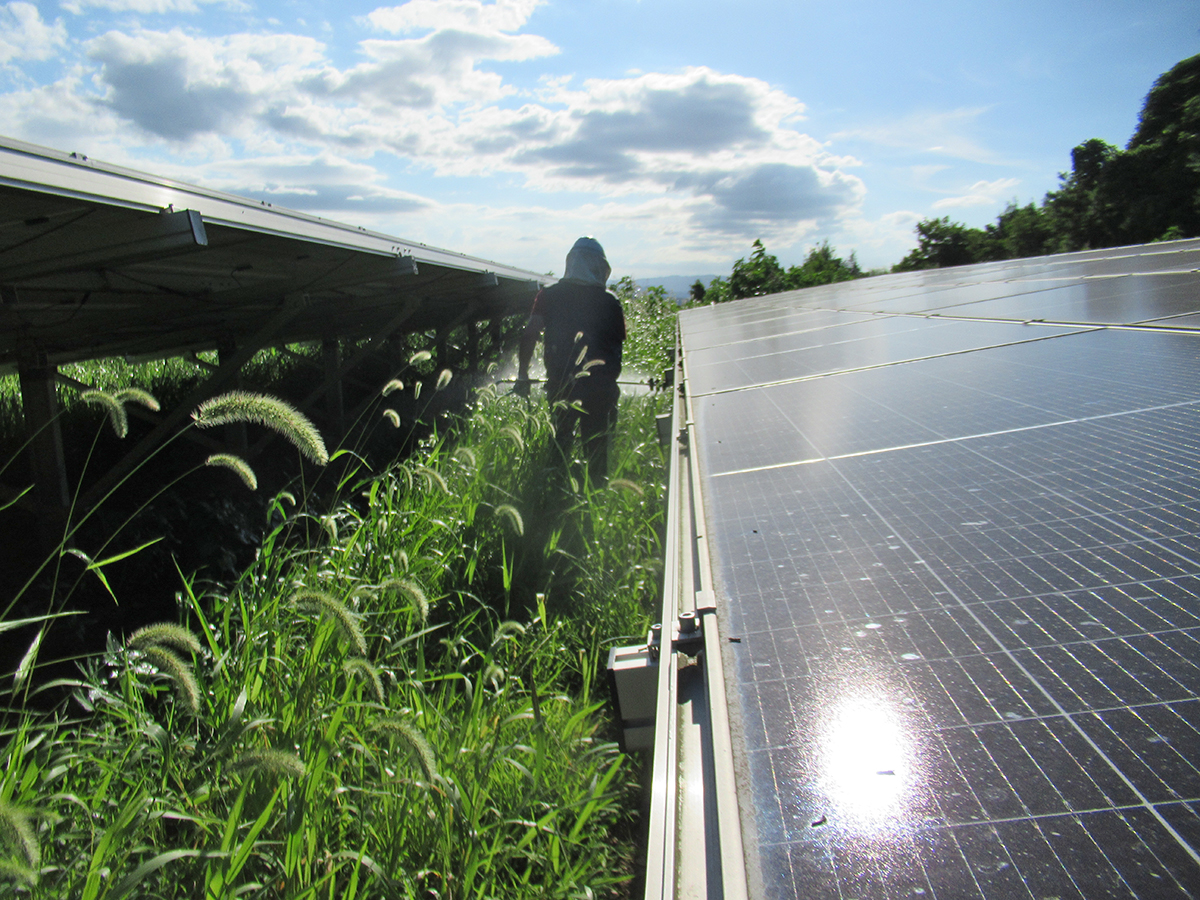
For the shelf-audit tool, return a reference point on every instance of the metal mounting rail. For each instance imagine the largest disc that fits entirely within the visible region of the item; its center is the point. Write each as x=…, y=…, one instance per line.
x=695, y=839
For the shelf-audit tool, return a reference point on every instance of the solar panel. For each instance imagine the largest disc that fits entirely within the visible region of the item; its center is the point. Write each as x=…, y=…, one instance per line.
x=962, y=562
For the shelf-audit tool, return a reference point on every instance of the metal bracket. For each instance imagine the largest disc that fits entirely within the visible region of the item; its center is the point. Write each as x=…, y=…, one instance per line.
x=688, y=637
x=145, y=238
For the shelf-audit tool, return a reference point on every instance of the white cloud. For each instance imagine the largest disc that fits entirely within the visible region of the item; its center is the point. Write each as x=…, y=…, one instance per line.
x=146, y=7
x=716, y=156
x=725, y=142
x=325, y=184
x=462, y=15
x=943, y=133
x=433, y=71
x=981, y=193
x=180, y=87
x=878, y=242
x=177, y=86
x=23, y=34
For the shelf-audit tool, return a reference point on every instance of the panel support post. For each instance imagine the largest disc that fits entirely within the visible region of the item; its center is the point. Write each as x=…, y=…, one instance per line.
x=439, y=350
x=473, y=347
x=225, y=375
x=235, y=432
x=331, y=359
x=51, y=493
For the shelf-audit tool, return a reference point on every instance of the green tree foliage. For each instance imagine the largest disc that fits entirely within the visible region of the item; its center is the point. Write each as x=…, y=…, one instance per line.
x=1019, y=231
x=823, y=266
x=650, y=322
x=762, y=273
x=697, y=291
x=1149, y=191
x=1156, y=181
x=940, y=243
x=718, y=291
x=1079, y=210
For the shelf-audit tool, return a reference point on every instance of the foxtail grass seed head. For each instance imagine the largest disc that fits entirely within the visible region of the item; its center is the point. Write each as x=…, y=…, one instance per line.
x=25, y=666
x=331, y=528
x=509, y=512
x=363, y=669
x=113, y=408
x=392, y=416
x=17, y=872
x=511, y=432
x=394, y=385
x=187, y=689
x=411, y=739
x=494, y=674
x=628, y=486
x=443, y=379
x=466, y=456
x=327, y=605
x=237, y=466
x=592, y=363
x=419, y=357
x=432, y=476
x=137, y=395
x=416, y=390
x=270, y=412
x=506, y=630
x=165, y=634
x=17, y=833
x=279, y=763
x=409, y=588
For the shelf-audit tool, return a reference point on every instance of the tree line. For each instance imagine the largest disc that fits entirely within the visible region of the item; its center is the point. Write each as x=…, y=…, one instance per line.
x=762, y=274
x=1150, y=191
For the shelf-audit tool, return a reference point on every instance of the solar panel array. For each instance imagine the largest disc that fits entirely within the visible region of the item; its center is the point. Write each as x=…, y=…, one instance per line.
x=955, y=526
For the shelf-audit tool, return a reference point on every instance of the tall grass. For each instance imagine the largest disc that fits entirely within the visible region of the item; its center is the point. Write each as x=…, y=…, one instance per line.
x=398, y=699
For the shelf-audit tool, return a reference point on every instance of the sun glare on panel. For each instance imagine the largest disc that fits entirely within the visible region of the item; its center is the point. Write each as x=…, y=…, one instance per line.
x=865, y=764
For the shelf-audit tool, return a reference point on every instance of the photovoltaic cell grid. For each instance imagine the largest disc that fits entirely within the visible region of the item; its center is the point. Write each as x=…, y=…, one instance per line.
x=963, y=575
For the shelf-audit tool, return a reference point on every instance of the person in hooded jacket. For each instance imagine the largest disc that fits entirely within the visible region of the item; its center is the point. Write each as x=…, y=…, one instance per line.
x=584, y=328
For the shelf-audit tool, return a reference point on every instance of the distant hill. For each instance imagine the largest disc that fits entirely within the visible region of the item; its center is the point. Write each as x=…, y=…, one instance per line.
x=676, y=285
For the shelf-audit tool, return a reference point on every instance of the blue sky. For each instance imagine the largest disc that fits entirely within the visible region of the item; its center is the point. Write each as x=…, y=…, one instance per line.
x=675, y=131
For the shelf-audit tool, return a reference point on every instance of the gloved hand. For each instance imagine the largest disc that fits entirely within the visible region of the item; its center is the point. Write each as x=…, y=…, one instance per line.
x=521, y=387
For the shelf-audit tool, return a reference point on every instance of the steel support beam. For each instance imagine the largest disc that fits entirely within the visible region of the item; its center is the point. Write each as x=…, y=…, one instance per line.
x=139, y=412
x=472, y=346
x=148, y=237
x=407, y=311
x=235, y=432
x=51, y=494
x=331, y=359
x=694, y=843
x=224, y=378
x=438, y=338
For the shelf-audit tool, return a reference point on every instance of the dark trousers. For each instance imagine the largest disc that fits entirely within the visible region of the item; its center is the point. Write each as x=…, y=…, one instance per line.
x=596, y=417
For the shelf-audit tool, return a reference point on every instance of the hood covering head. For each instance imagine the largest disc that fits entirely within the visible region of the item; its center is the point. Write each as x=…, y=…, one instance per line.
x=586, y=263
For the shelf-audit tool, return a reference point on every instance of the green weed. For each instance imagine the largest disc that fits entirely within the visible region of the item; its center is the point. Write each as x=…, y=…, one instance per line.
x=405, y=706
